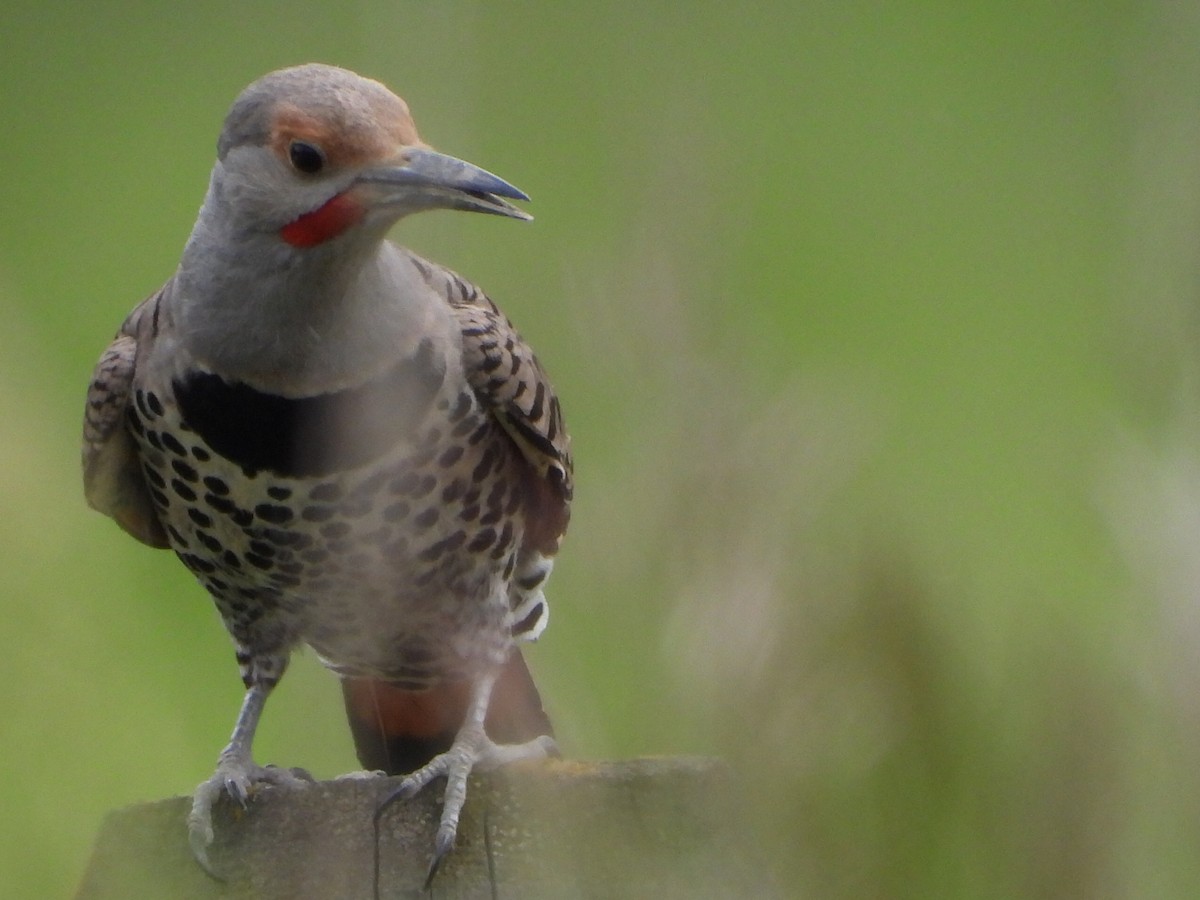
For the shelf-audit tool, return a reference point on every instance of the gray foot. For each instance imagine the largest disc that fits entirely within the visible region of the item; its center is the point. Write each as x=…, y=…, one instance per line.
x=239, y=778
x=472, y=749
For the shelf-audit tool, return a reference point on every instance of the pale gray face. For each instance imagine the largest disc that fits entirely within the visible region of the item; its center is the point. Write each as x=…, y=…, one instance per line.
x=298, y=138
x=313, y=151
x=315, y=165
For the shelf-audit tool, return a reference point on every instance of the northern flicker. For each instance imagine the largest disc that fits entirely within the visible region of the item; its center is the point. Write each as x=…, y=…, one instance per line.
x=349, y=446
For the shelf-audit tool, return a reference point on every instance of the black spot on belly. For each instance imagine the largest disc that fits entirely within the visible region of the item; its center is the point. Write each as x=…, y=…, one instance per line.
x=504, y=544
x=197, y=565
x=484, y=466
x=220, y=504
x=453, y=490
x=184, y=471
x=326, y=492
x=480, y=433
x=396, y=512
x=210, y=542
x=380, y=536
x=281, y=538
x=310, y=436
x=183, y=490
x=317, y=513
x=482, y=540
x=450, y=456
x=495, y=497
x=172, y=443
x=276, y=515
x=355, y=507
x=200, y=518
x=216, y=485
x=335, y=530
x=259, y=562
x=404, y=484
x=278, y=492
x=370, y=486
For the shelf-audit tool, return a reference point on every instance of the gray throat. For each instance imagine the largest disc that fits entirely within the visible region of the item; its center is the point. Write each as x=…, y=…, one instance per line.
x=298, y=321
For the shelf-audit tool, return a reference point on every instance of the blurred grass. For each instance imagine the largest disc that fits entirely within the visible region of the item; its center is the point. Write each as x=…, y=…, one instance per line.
x=876, y=330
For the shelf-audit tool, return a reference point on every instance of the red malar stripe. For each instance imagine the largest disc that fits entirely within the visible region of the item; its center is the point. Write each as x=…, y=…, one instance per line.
x=326, y=222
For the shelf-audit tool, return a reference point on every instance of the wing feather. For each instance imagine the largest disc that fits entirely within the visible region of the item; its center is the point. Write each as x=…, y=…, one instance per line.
x=112, y=476
x=506, y=375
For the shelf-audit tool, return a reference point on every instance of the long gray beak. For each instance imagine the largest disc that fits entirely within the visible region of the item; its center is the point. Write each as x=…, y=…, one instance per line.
x=426, y=179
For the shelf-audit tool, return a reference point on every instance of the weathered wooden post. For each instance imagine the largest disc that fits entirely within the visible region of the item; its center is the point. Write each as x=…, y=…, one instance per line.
x=657, y=828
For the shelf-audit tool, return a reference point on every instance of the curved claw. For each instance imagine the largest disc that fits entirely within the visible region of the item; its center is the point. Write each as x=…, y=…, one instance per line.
x=472, y=749
x=199, y=821
x=238, y=780
x=442, y=844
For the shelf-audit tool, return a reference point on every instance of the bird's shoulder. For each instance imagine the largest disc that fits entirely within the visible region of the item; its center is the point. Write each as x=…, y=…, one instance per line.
x=506, y=375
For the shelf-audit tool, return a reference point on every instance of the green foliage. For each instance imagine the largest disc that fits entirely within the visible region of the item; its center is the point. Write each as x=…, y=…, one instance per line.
x=874, y=328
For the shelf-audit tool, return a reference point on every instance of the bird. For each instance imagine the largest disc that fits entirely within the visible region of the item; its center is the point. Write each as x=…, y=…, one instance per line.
x=350, y=447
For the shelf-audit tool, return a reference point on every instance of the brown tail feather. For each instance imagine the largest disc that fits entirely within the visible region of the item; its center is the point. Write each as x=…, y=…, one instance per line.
x=399, y=730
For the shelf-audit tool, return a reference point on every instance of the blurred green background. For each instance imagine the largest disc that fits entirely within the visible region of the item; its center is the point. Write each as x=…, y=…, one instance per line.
x=876, y=327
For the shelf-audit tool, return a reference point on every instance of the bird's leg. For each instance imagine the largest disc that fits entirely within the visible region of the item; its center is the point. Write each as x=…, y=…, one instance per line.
x=472, y=749
x=236, y=773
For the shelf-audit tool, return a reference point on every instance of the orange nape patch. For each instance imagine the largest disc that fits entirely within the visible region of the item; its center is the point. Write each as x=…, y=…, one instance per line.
x=325, y=222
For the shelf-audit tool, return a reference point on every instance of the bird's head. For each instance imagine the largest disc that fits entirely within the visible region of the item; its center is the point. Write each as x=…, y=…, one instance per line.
x=315, y=152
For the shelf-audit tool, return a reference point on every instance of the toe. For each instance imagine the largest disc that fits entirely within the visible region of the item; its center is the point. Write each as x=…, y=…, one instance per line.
x=238, y=779
x=362, y=775
x=491, y=755
x=200, y=830
x=283, y=777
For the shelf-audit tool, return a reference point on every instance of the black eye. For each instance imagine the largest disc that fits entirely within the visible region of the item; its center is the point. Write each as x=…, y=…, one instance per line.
x=305, y=157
